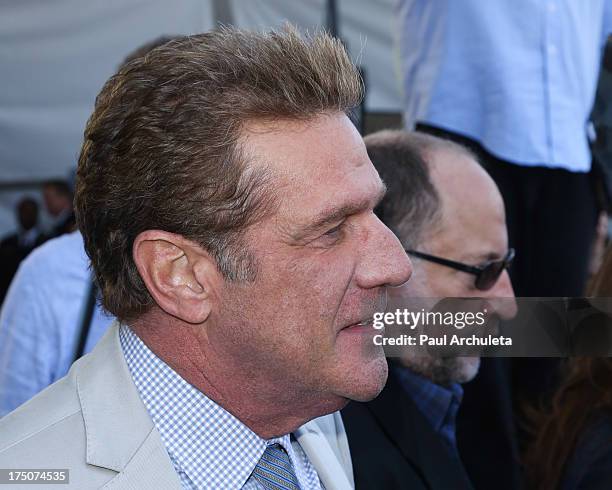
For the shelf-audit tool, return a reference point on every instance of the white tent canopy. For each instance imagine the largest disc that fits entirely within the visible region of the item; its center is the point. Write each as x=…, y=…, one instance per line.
x=55, y=56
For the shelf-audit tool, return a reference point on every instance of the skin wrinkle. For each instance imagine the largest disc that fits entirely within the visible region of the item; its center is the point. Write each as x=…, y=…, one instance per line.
x=328, y=216
x=332, y=216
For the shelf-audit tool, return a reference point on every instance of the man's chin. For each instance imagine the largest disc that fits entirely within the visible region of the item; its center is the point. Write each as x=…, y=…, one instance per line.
x=444, y=371
x=367, y=382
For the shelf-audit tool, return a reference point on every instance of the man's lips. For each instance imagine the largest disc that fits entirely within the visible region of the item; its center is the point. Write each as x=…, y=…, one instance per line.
x=360, y=326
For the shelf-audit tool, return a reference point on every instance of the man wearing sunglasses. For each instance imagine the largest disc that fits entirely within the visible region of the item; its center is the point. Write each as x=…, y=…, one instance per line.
x=449, y=215
x=487, y=274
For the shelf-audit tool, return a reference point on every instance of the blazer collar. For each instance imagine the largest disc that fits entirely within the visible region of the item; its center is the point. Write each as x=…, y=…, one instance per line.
x=120, y=434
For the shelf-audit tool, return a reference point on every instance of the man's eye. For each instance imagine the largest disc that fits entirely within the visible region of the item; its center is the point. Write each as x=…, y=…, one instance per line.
x=334, y=231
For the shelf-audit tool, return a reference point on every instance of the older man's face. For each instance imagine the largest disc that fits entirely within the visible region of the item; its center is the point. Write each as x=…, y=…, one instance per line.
x=472, y=230
x=324, y=263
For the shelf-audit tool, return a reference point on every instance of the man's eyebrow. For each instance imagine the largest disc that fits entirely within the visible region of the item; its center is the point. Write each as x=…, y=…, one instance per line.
x=336, y=214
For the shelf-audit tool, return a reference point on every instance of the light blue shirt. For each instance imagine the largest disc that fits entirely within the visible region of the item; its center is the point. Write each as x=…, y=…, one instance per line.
x=208, y=446
x=41, y=318
x=518, y=76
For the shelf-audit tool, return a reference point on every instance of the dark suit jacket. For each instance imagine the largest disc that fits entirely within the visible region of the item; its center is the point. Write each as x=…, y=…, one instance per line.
x=487, y=430
x=393, y=446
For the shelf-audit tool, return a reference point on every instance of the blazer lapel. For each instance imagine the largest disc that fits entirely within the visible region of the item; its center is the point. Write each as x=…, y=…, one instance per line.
x=150, y=468
x=120, y=434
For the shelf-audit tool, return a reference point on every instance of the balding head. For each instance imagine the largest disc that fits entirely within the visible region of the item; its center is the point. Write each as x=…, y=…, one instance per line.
x=425, y=174
x=411, y=205
x=471, y=206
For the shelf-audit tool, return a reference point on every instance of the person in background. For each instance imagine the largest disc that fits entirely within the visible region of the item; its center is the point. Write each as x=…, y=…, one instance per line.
x=14, y=248
x=515, y=81
x=441, y=204
x=57, y=197
x=572, y=448
x=42, y=319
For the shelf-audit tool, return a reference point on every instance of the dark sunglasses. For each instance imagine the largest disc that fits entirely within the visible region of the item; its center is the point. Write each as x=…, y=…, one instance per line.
x=486, y=275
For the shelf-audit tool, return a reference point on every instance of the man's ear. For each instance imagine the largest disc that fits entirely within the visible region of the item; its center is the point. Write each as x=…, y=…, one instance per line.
x=182, y=278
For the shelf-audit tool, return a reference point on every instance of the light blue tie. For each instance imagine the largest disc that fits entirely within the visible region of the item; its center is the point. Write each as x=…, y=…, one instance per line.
x=274, y=470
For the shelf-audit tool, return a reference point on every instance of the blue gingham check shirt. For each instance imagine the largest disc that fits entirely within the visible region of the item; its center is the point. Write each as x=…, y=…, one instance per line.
x=439, y=404
x=208, y=446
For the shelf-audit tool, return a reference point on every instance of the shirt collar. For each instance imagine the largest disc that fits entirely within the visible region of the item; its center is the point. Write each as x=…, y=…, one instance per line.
x=203, y=440
x=439, y=404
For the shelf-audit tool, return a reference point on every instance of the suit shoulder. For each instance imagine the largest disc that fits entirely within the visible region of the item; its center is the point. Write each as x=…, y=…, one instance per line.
x=55, y=408
x=53, y=442
x=49, y=446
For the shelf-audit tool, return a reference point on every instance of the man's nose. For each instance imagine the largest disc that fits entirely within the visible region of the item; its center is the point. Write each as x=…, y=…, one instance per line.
x=384, y=260
x=502, y=297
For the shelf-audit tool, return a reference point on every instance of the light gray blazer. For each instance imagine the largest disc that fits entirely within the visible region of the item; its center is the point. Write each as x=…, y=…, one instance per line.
x=93, y=423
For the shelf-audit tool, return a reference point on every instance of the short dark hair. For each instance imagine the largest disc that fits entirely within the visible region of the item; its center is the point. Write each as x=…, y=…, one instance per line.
x=27, y=202
x=412, y=204
x=163, y=150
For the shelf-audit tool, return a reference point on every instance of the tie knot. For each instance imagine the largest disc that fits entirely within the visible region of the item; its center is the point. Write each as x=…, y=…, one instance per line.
x=274, y=470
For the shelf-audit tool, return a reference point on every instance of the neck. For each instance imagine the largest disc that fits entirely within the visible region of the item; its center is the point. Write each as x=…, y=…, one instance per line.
x=269, y=407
